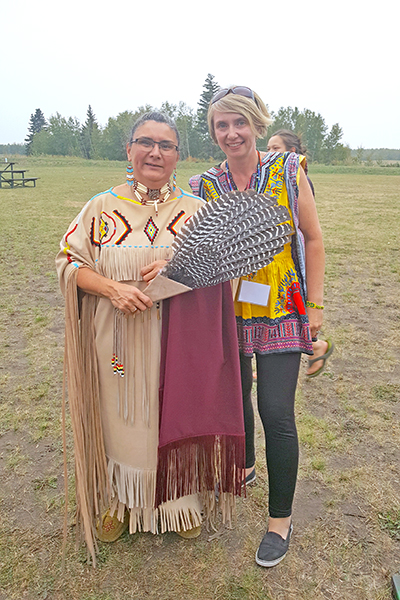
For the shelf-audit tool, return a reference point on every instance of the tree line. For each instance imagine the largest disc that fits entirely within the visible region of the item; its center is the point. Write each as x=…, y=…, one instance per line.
x=67, y=137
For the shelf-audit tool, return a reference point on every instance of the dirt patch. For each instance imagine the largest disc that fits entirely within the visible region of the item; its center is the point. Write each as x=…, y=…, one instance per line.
x=32, y=483
x=310, y=502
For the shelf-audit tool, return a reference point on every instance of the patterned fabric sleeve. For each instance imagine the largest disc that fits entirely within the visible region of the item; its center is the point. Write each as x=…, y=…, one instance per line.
x=194, y=183
x=292, y=166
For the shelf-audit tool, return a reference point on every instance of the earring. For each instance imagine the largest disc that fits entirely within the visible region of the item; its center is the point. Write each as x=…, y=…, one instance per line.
x=129, y=174
x=174, y=181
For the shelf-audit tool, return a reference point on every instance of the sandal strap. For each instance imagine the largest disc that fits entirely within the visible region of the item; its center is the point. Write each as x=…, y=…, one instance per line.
x=327, y=354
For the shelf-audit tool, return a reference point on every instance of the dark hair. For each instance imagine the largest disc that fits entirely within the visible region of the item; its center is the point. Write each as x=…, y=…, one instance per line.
x=158, y=117
x=291, y=140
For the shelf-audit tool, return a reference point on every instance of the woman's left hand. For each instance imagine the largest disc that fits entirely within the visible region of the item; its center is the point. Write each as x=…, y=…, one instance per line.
x=150, y=271
x=315, y=317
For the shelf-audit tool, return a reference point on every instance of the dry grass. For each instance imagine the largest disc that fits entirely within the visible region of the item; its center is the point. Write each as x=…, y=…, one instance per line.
x=347, y=509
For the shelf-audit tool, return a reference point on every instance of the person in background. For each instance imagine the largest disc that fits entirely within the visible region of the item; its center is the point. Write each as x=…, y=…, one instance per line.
x=280, y=331
x=284, y=140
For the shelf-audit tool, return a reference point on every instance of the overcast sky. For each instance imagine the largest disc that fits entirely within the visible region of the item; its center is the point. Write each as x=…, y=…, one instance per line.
x=339, y=59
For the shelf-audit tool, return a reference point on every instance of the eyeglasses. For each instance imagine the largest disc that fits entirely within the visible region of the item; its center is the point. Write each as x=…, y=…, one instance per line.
x=165, y=146
x=238, y=89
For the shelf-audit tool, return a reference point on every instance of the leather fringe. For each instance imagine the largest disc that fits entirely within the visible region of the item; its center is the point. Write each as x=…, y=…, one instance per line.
x=203, y=465
x=91, y=478
x=134, y=490
x=172, y=519
x=124, y=364
x=124, y=264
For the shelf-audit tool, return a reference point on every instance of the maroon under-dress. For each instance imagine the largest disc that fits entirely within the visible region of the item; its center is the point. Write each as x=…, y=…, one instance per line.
x=201, y=434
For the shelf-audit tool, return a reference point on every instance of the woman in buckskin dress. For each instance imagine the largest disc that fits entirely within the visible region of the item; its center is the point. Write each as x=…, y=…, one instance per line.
x=114, y=334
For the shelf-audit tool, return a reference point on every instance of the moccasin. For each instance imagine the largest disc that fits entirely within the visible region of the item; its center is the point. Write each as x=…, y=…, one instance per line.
x=111, y=528
x=190, y=534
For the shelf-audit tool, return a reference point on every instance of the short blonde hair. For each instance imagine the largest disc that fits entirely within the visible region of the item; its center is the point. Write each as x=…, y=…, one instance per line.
x=254, y=111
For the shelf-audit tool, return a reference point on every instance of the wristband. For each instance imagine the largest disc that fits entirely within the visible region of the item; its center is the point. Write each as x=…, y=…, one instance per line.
x=313, y=305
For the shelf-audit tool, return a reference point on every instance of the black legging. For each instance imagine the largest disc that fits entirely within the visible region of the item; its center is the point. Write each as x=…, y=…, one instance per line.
x=276, y=387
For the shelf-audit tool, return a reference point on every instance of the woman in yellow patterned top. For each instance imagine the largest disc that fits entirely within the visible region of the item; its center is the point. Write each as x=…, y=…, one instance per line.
x=284, y=140
x=278, y=332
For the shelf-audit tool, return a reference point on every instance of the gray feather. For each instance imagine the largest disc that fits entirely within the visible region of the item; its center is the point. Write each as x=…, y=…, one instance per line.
x=235, y=235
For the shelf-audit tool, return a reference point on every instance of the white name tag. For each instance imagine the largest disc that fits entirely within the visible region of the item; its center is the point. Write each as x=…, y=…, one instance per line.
x=254, y=293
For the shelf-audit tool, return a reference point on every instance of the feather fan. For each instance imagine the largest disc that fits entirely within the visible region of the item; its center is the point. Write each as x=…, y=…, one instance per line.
x=235, y=235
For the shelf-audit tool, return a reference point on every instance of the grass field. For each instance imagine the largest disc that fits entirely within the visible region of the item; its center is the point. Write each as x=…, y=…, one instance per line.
x=346, y=541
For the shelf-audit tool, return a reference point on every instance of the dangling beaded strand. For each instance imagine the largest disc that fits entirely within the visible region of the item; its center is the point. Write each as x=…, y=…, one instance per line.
x=129, y=175
x=174, y=181
x=230, y=181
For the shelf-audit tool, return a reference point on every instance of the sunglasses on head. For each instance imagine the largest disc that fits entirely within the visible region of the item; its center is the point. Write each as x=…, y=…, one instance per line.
x=239, y=90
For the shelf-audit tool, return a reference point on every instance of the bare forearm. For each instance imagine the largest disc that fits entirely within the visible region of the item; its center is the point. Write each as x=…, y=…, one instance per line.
x=93, y=283
x=315, y=254
x=315, y=269
x=126, y=298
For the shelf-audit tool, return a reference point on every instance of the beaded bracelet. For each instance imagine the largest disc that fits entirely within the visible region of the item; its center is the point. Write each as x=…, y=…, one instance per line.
x=313, y=305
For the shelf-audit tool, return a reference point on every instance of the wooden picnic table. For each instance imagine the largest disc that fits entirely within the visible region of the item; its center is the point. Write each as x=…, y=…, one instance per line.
x=15, y=177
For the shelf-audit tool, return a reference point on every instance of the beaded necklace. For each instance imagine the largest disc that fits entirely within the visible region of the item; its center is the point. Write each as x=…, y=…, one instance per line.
x=156, y=196
x=231, y=183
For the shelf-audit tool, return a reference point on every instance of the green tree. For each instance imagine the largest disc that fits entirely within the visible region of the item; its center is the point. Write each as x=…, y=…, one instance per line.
x=310, y=126
x=359, y=155
x=369, y=157
x=37, y=122
x=331, y=143
x=285, y=118
x=90, y=134
x=342, y=154
x=61, y=137
x=186, y=124
x=10, y=149
x=207, y=146
x=185, y=121
x=313, y=134
x=116, y=133
x=41, y=143
x=210, y=88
